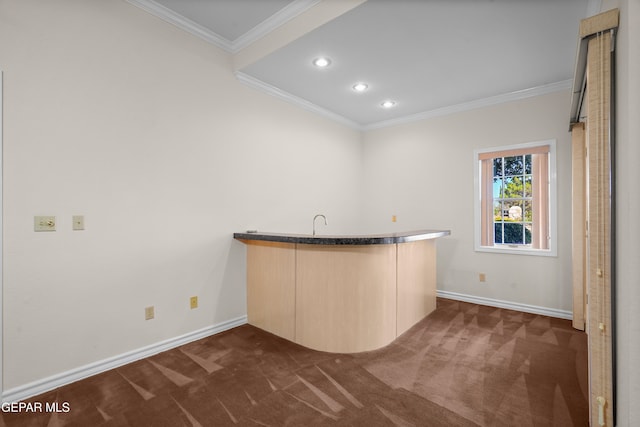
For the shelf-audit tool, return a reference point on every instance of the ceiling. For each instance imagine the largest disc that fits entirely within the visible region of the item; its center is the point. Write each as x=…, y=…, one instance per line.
x=430, y=57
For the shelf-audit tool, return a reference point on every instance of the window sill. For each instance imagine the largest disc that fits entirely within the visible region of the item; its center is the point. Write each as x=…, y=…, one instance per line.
x=518, y=250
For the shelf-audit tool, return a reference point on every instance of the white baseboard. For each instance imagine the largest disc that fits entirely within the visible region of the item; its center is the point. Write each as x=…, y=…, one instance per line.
x=545, y=311
x=46, y=384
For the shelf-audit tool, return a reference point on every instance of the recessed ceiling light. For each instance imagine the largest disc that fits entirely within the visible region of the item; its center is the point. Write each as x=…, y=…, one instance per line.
x=360, y=87
x=321, y=62
x=388, y=104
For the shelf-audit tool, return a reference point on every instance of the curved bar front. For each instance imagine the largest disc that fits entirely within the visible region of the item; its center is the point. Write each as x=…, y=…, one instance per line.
x=341, y=294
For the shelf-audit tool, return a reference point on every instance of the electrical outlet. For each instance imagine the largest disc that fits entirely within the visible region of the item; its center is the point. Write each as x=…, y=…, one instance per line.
x=78, y=222
x=149, y=313
x=483, y=277
x=193, y=301
x=393, y=218
x=44, y=223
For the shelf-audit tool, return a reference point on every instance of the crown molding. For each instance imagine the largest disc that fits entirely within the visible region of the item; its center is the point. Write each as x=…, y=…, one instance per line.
x=281, y=17
x=458, y=108
x=472, y=105
x=300, y=102
x=183, y=23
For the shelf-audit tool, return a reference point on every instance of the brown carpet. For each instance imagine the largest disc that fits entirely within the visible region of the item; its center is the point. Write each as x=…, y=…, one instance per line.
x=464, y=365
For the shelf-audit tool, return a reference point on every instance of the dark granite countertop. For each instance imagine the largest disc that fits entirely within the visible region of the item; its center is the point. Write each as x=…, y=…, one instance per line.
x=369, y=239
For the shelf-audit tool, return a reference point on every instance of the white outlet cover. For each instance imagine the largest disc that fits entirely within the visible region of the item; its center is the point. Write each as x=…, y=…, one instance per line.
x=78, y=222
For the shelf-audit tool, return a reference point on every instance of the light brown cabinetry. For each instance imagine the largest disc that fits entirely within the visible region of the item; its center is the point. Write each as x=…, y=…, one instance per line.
x=340, y=298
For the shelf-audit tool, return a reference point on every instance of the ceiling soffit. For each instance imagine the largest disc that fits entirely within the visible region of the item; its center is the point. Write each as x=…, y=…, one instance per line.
x=259, y=58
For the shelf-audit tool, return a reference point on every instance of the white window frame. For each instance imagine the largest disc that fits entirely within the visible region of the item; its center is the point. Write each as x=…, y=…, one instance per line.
x=553, y=217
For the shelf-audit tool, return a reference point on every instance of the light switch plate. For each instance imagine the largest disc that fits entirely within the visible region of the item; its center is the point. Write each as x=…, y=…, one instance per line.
x=78, y=222
x=44, y=223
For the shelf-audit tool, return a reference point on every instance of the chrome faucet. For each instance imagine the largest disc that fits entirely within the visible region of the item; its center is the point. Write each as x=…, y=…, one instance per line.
x=314, y=222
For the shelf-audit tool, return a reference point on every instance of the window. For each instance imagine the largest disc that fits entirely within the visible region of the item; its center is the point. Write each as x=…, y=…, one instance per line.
x=515, y=199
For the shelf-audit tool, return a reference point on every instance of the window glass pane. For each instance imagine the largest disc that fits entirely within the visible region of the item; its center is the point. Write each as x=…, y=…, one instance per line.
x=497, y=211
x=513, y=233
x=514, y=165
x=528, y=213
x=527, y=163
x=527, y=185
x=497, y=188
x=498, y=232
x=513, y=187
x=527, y=234
x=512, y=210
x=497, y=166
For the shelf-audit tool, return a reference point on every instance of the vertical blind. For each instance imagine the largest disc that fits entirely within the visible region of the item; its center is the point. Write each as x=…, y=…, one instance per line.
x=597, y=35
x=599, y=217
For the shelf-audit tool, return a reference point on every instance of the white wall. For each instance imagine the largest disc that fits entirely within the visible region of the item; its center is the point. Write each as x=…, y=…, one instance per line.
x=627, y=209
x=116, y=115
x=423, y=173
